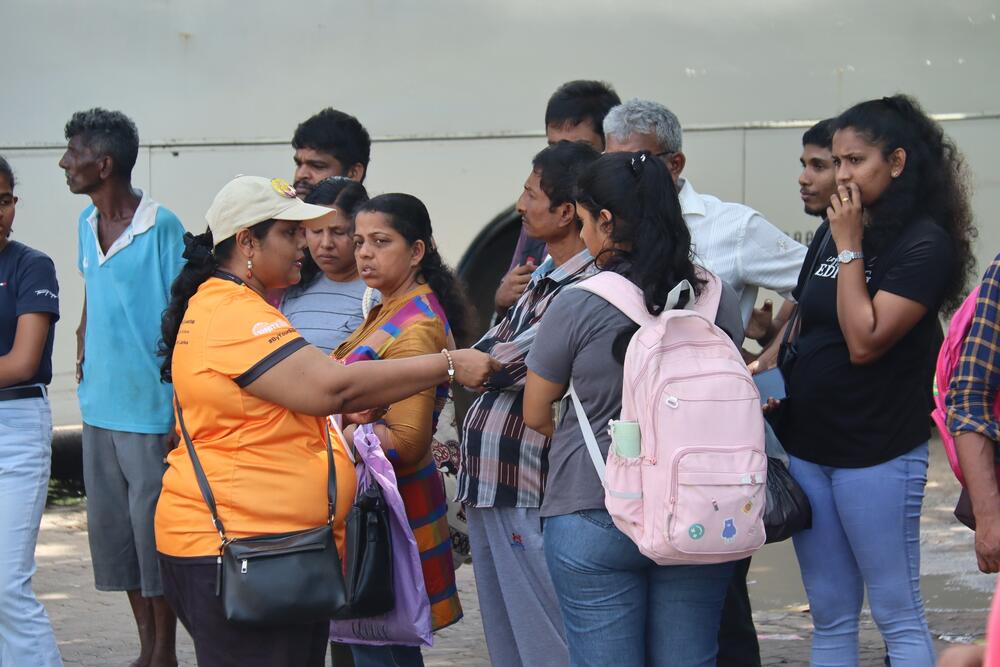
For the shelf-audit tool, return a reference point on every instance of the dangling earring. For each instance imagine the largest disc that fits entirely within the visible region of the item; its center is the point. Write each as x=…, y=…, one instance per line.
x=249, y=269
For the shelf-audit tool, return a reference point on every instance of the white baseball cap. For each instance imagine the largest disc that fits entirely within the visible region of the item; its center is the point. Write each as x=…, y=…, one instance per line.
x=247, y=200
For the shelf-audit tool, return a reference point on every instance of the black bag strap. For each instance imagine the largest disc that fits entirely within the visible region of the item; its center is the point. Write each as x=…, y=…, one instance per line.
x=793, y=321
x=206, y=490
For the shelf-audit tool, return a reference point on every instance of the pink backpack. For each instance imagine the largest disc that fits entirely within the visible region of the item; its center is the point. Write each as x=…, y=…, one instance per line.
x=947, y=361
x=696, y=492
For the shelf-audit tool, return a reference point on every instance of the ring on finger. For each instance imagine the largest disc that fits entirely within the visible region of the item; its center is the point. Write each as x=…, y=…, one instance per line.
x=845, y=199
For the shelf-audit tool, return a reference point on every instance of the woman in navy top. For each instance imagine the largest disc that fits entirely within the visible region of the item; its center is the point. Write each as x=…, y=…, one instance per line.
x=29, y=308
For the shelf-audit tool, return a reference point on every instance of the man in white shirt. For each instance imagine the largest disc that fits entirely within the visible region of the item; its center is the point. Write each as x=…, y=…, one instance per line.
x=732, y=240
x=737, y=244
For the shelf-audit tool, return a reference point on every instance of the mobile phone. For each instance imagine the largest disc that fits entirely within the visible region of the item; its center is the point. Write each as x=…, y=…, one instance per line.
x=770, y=384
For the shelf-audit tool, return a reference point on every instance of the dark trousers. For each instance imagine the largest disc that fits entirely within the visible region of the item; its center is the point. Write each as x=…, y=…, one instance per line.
x=340, y=655
x=190, y=590
x=738, y=645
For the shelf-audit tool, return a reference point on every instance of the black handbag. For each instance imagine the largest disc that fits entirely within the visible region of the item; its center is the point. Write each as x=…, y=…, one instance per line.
x=787, y=509
x=284, y=579
x=368, y=574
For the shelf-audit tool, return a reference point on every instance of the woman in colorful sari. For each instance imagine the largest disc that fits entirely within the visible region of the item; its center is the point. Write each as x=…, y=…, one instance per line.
x=422, y=306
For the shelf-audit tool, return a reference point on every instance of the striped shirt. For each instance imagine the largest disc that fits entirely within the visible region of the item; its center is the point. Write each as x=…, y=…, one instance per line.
x=976, y=379
x=325, y=312
x=503, y=463
x=737, y=244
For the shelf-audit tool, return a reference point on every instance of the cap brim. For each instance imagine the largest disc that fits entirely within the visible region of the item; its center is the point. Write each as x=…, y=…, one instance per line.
x=299, y=210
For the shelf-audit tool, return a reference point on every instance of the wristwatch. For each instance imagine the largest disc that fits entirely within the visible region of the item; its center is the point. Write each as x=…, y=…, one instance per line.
x=849, y=256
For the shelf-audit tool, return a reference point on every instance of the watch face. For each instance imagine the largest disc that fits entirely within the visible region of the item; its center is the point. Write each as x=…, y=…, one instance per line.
x=848, y=255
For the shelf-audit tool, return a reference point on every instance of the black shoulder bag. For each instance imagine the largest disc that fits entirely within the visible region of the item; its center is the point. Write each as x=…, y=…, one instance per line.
x=281, y=579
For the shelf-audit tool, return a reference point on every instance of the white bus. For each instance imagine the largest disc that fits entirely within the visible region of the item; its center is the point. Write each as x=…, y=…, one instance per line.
x=453, y=93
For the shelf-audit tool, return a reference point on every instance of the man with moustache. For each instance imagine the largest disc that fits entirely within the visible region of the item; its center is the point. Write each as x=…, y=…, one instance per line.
x=130, y=251
x=575, y=112
x=817, y=183
x=329, y=143
x=503, y=463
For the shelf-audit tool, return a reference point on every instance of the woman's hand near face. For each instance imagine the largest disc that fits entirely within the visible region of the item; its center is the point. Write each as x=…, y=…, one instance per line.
x=846, y=217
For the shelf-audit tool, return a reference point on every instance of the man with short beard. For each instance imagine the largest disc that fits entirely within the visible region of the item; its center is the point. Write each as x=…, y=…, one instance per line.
x=503, y=463
x=330, y=143
x=817, y=183
x=575, y=112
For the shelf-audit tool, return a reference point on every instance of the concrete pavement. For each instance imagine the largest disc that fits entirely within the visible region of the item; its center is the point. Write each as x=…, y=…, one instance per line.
x=96, y=629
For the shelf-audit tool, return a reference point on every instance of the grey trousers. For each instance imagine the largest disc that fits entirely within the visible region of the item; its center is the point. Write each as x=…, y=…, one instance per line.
x=123, y=474
x=521, y=617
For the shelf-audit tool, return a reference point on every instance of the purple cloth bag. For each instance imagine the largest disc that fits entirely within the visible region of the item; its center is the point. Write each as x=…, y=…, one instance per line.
x=409, y=623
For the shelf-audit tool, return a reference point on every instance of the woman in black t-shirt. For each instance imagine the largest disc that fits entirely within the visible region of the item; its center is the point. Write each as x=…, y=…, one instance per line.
x=29, y=308
x=857, y=429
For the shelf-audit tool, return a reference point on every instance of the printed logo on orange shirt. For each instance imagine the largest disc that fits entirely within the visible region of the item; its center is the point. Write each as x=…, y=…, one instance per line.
x=262, y=328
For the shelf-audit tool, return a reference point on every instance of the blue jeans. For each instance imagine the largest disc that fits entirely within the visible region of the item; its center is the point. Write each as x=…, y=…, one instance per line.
x=387, y=656
x=865, y=533
x=25, y=453
x=622, y=609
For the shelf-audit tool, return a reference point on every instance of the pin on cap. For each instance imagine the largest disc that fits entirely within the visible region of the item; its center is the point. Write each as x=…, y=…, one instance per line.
x=247, y=200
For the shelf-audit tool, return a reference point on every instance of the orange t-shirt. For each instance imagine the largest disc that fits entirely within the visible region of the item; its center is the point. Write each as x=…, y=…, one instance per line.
x=266, y=465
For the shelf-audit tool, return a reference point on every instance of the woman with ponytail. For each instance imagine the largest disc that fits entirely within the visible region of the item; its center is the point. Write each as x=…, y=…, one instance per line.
x=619, y=607
x=897, y=252
x=254, y=396
x=423, y=311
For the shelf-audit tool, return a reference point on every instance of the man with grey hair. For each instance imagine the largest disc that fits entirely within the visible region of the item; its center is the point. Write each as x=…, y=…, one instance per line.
x=737, y=244
x=732, y=240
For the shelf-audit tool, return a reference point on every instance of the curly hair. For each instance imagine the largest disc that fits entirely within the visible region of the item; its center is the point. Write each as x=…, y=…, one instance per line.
x=933, y=184
x=109, y=133
x=203, y=260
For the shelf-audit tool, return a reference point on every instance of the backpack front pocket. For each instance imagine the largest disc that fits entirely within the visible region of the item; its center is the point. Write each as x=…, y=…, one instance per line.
x=717, y=500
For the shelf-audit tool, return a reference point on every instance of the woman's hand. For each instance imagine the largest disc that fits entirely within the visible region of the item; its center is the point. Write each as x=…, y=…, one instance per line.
x=472, y=367
x=846, y=217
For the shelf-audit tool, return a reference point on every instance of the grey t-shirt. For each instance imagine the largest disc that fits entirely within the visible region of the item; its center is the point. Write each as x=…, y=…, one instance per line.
x=574, y=341
x=325, y=312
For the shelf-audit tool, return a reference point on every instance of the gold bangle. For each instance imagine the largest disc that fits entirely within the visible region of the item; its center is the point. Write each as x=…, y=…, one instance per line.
x=451, y=365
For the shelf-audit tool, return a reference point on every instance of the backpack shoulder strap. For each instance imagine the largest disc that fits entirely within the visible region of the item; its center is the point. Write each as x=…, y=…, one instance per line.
x=620, y=292
x=707, y=303
x=624, y=295
x=588, y=434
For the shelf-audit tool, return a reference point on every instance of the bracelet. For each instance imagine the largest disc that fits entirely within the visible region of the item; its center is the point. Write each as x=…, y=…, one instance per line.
x=451, y=365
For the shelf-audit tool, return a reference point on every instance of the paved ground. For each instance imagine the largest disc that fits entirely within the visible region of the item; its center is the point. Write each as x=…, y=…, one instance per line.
x=95, y=629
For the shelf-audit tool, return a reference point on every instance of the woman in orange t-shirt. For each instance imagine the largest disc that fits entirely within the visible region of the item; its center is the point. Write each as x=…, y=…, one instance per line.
x=255, y=396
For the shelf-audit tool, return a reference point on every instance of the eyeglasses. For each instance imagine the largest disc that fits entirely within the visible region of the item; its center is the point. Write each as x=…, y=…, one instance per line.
x=664, y=153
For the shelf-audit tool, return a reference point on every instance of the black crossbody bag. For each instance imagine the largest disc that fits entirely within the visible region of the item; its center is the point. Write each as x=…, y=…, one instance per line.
x=283, y=579
x=788, y=350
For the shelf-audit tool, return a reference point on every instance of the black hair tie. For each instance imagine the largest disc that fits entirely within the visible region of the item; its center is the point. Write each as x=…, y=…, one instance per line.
x=198, y=249
x=639, y=163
